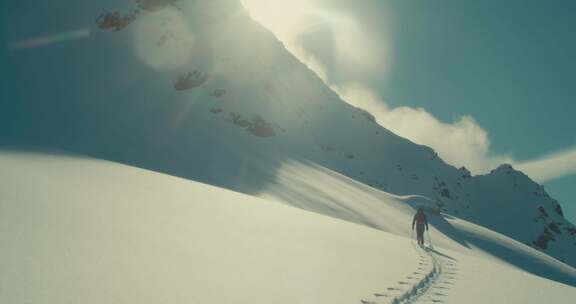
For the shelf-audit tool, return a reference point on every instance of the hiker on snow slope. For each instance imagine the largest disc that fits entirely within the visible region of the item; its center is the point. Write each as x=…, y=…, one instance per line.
x=421, y=221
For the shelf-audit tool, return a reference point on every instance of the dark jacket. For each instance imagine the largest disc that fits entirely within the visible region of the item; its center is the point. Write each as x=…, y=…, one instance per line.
x=420, y=219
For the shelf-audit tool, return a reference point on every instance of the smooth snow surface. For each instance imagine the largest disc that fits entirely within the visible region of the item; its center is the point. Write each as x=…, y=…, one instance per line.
x=85, y=231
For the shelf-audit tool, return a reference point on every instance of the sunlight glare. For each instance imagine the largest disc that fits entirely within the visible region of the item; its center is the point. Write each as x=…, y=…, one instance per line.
x=49, y=39
x=356, y=48
x=281, y=16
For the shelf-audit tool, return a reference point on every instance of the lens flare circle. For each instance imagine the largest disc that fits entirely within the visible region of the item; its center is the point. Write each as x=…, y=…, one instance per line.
x=163, y=40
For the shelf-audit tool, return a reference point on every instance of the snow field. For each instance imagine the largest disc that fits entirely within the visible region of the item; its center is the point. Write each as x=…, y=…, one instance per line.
x=87, y=231
x=83, y=230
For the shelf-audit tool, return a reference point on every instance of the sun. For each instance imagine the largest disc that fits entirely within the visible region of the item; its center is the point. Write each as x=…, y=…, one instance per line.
x=353, y=46
x=281, y=16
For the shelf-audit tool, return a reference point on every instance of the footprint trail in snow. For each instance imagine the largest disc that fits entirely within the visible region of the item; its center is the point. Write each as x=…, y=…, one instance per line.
x=435, y=275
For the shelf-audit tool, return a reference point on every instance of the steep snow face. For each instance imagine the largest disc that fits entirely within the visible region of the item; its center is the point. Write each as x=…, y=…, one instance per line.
x=218, y=99
x=81, y=230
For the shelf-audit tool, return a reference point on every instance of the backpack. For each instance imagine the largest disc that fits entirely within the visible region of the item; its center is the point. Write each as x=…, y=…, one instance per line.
x=420, y=218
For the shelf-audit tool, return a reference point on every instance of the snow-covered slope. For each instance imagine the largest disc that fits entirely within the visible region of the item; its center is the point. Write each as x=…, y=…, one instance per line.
x=81, y=230
x=321, y=190
x=84, y=231
x=197, y=89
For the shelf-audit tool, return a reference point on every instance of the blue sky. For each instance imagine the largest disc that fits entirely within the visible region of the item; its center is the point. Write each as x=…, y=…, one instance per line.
x=509, y=64
x=502, y=71
x=496, y=75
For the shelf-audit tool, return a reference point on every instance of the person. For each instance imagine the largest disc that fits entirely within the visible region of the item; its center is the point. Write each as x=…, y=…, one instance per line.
x=421, y=222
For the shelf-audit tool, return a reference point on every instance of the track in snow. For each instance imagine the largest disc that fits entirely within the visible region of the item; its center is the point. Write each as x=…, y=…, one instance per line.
x=434, y=277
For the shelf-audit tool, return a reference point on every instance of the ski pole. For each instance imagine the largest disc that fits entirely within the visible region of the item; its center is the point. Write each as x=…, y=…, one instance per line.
x=412, y=235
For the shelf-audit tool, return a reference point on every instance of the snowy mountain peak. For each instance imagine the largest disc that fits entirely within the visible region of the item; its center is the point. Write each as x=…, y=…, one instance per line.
x=508, y=170
x=504, y=168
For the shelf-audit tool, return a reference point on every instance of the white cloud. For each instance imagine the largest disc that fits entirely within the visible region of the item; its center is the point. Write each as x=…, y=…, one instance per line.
x=552, y=166
x=462, y=142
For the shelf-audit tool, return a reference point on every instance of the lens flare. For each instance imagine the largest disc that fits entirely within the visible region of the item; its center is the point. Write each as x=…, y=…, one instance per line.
x=282, y=17
x=48, y=40
x=355, y=48
x=163, y=40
